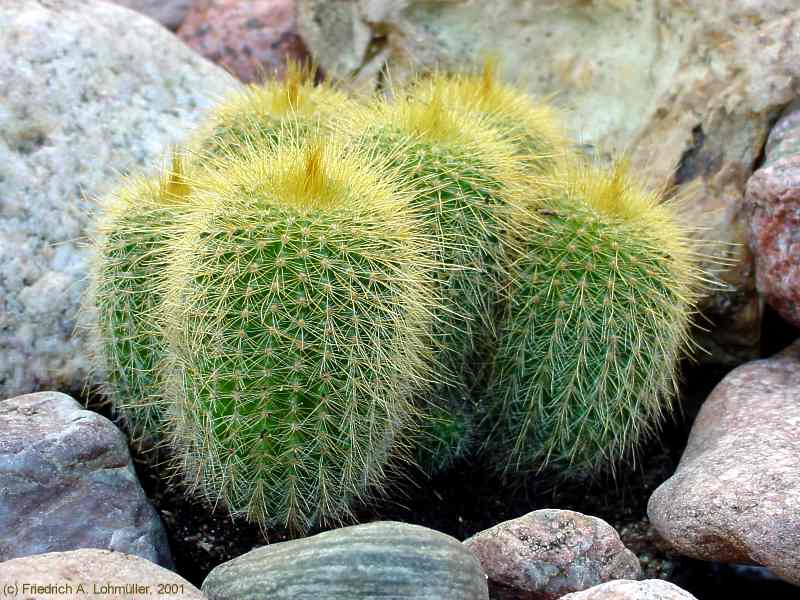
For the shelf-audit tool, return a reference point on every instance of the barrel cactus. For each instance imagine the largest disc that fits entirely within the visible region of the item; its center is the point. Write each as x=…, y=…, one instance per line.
x=469, y=184
x=598, y=313
x=297, y=309
x=130, y=247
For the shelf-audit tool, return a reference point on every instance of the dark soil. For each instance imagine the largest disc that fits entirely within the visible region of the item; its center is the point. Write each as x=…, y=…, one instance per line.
x=468, y=499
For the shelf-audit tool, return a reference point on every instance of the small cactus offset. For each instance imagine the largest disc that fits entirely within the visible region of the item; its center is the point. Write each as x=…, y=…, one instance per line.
x=129, y=253
x=537, y=130
x=469, y=184
x=258, y=115
x=298, y=314
x=598, y=317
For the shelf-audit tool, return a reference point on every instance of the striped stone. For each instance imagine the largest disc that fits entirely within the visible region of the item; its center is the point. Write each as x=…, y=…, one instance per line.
x=379, y=560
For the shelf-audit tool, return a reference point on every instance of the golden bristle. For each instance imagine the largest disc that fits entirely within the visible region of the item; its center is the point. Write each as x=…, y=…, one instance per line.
x=174, y=185
x=488, y=77
x=314, y=177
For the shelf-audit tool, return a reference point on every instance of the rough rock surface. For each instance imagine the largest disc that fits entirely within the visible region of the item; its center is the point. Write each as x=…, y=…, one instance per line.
x=67, y=482
x=649, y=589
x=548, y=553
x=773, y=197
x=691, y=93
x=170, y=13
x=735, y=496
x=59, y=575
x=250, y=38
x=364, y=562
x=106, y=93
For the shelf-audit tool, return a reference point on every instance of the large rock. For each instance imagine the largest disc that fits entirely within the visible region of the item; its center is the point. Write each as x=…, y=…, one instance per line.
x=649, y=589
x=67, y=482
x=365, y=562
x=170, y=13
x=735, y=496
x=691, y=93
x=88, y=90
x=548, y=553
x=252, y=39
x=773, y=197
x=90, y=575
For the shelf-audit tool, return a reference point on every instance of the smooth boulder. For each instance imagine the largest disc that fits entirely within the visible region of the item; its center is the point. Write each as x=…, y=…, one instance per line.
x=376, y=561
x=735, y=496
x=90, y=575
x=89, y=91
x=773, y=198
x=67, y=482
x=649, y=589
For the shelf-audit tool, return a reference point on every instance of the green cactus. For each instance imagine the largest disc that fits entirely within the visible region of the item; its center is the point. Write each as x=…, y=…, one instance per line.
x=298, y=315
x=469, y=184
x=129, y=252
x=597, y=318
x=132, y=235
x=258, y=114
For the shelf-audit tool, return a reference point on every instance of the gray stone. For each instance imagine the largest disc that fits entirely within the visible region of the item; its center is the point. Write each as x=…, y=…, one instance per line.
x=88, y=91
x=67, y=482
x=58, y=576
x=170, y=13
x=690, y=94
x=735, y=496
x=548, y=553
x=649, y=589
x=376, y=561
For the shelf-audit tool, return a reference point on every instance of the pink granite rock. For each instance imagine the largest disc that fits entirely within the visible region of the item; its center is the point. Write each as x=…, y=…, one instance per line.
x=735, y=496
x=251, y=38
x=650, y=589
x=548, y=553
x=91, y=575
x=773, y=198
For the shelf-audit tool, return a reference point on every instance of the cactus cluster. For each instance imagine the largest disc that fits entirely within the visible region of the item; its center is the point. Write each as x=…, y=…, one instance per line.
x=319, y=285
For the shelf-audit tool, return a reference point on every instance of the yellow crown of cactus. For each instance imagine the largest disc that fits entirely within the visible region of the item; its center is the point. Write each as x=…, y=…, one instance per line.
x=257, y=114
x=536, y=129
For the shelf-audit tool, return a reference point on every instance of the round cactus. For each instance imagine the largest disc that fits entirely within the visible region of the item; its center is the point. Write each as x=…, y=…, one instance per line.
x=468, y=184
x=132, y=235
x=597, y=318
x=536, y=129
x=259, y=113
x=129, y=252
x=298, y=316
